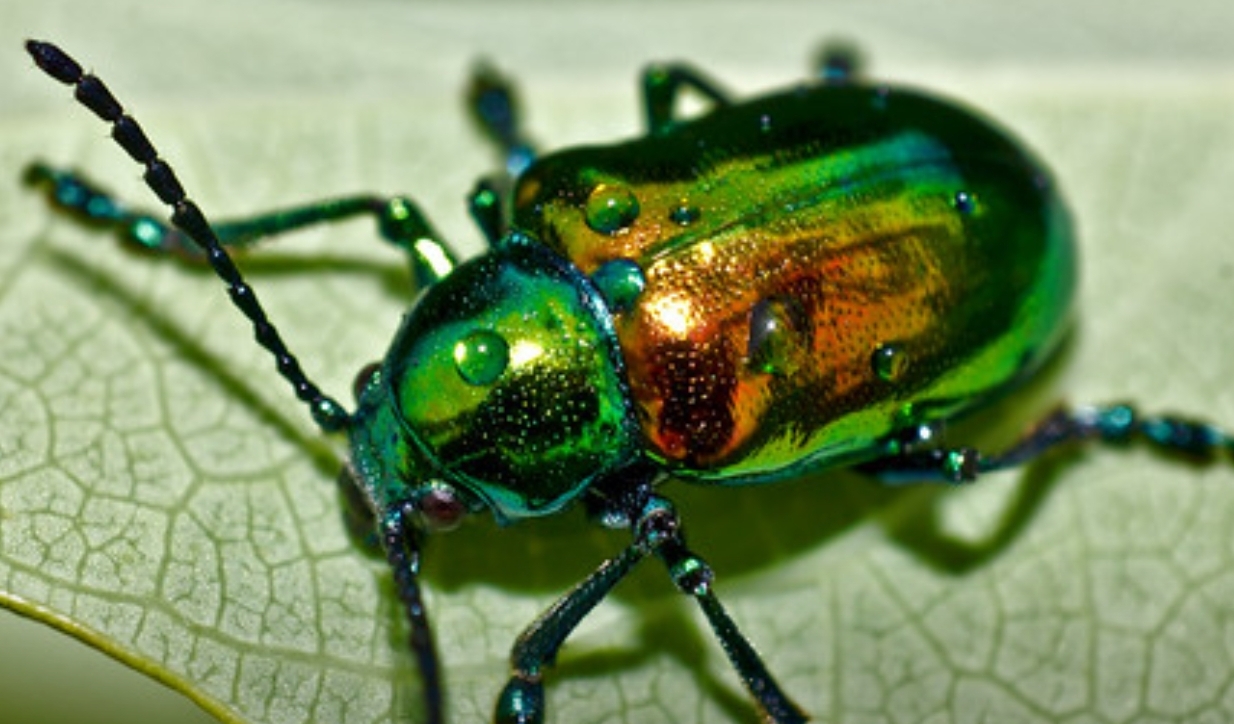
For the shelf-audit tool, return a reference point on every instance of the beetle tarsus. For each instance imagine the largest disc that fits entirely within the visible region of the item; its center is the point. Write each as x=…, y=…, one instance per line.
x=1114, y=424
x=662, y=86
x=521, y=702
x=840, y=62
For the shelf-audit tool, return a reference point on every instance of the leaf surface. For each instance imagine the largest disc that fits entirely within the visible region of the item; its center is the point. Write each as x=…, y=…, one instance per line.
x=164, y=499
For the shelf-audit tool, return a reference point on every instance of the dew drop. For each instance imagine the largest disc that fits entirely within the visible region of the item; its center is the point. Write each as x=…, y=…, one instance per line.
x=610, y=208
x=620, y=281
x=772, y=330
x=684, y=214
x=964, y=202
x=890, y=362
x=481, y=356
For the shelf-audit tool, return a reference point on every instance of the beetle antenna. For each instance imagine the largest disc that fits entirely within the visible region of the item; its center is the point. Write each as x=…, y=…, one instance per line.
x=125, y=131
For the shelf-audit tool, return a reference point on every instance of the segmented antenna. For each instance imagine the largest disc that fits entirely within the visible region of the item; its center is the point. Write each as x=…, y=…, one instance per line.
x=93, y=94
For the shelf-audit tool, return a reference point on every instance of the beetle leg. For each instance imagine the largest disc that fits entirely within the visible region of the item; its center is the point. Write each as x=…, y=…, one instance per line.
x=936, y=465
x=661, y=527
x=402, y=545
x=488, y=207
x=1115, y=425
x=494, y=106
x=657, y=529
x=839, y=63
x=662, y=84
x=399, y=222
x=522, y=699
x=1110, y=424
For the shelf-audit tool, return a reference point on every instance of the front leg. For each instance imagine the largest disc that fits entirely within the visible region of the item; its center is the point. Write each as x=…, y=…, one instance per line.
x=657, y=529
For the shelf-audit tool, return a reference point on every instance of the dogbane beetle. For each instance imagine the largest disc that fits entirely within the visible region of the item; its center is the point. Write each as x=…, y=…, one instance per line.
x=815, y=278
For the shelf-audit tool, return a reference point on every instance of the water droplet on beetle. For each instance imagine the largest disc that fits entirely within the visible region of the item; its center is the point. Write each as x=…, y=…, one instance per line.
x=684, y=214
x=773, y=327
x=964, y=202
x=481, y=356
x=890, y=362
x=610, y=208
x=620, y=281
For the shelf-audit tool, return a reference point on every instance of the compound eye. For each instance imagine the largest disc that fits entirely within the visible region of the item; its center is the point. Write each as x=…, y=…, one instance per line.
x=440, y=509
x=363, y=378
x=481, y=356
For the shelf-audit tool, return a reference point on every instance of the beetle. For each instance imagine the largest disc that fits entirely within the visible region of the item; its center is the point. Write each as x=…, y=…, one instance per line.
x=817, y=278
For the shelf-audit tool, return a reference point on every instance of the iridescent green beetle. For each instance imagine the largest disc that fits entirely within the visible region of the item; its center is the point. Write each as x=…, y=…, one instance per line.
x=810, y=279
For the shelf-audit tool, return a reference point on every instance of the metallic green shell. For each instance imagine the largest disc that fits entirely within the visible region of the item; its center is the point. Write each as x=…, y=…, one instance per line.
x=505, y=383
x=797, y=277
